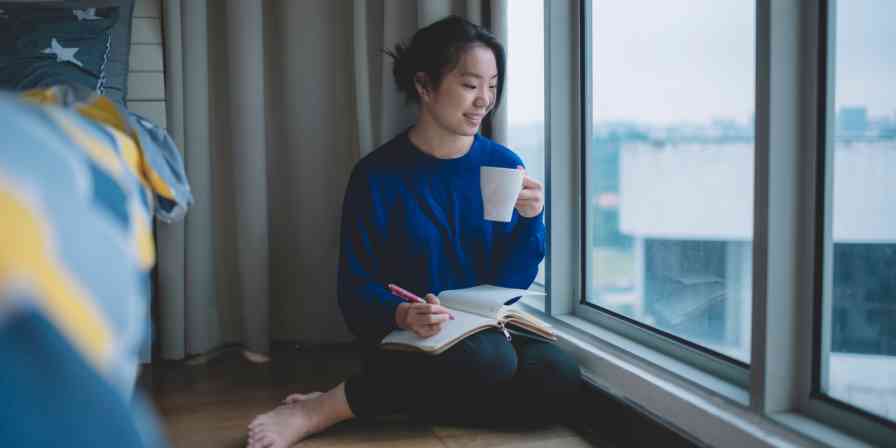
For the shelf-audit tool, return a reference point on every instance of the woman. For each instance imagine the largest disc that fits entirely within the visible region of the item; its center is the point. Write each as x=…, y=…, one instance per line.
x=413, y=216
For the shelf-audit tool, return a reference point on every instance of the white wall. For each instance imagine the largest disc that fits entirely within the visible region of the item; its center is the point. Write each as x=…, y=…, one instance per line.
x=705, y=191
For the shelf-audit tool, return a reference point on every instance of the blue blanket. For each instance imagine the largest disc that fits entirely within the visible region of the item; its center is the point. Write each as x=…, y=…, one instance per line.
x=80, y=181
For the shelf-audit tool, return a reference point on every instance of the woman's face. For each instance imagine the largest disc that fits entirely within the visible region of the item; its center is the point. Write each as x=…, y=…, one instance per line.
x=466, y=94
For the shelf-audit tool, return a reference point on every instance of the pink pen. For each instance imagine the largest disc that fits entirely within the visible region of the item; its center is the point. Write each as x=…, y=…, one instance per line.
x=404, y=294
x=407, y=296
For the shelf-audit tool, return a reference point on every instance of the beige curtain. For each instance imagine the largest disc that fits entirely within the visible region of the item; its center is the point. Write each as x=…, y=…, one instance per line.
x=273, y=102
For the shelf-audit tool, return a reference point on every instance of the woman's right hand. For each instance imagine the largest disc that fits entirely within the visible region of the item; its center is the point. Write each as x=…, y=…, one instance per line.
x=424, y=319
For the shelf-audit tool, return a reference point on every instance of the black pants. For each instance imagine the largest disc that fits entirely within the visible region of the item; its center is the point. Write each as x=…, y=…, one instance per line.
x=483, y=379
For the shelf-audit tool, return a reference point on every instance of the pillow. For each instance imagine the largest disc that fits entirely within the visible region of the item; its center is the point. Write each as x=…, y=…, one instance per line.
x=74, y=43
x=116, y=84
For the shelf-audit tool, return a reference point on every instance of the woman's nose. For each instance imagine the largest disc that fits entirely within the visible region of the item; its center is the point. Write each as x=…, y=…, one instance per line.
x=481, y=100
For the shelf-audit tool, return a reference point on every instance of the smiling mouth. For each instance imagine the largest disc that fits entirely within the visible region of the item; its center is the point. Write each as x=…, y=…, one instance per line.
x=476, y=118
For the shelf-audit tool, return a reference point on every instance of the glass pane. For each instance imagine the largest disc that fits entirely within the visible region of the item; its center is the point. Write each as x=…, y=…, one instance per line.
x=525, y=88
x=862, y=360
x=670, y=170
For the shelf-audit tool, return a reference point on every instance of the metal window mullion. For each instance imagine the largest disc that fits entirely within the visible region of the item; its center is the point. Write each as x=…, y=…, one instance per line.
x=586, y=84
x=775, y=352
x=816, y=198
x=562, y=40
x=824, y=249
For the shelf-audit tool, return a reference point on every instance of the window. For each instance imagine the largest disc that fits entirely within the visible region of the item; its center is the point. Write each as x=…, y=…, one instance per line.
x=728, y=166
x=669, y=168
x=859, y=358
x=525, y=87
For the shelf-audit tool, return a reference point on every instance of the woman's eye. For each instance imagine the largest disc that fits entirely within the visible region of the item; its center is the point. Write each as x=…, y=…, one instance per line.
x=493, y=87
x=469, y=86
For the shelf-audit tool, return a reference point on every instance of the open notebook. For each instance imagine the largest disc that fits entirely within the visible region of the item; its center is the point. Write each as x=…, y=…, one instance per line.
x=474, y=309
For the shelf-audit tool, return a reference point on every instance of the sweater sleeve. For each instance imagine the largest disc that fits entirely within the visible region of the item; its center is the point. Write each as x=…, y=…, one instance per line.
x=518, y=253
x=367, y=306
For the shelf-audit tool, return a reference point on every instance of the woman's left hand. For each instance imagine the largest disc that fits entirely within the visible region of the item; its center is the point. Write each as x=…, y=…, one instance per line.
x=530, y=201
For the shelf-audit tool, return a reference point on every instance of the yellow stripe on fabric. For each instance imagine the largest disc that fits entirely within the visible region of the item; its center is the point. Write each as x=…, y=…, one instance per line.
x=134, y=157
x=99, y=151
x=144, y=244
x=27, y=257
x=159, y=185
x=103, y=110
x=41, y=96
x=129, y=152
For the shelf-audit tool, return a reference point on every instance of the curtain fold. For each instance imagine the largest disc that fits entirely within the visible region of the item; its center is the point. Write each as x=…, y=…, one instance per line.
x=186, y=293
x=245, y=43
x=170, y=238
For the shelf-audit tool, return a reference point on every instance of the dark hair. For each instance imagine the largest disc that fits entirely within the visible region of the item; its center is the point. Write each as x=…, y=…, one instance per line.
x=436, y=50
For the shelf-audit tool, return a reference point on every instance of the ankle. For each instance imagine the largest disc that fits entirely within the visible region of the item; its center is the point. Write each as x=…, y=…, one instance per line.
x=331, y=408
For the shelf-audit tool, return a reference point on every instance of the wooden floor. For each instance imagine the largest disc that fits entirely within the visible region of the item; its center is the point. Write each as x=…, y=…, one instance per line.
x=209, y=404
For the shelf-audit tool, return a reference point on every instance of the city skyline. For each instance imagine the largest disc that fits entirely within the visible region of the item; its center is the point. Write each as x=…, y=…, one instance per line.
x=887, y=120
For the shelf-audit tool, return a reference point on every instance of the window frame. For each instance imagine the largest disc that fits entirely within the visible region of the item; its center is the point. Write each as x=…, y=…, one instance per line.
x=780, y=396
x=501, y=26
x=816, y=403
x=718, y=364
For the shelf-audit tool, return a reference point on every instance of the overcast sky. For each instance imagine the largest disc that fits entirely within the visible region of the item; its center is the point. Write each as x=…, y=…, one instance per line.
x=664, y=61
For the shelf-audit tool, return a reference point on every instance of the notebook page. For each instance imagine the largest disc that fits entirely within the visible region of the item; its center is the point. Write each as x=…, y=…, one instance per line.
x=451, y=329
x=484, y=300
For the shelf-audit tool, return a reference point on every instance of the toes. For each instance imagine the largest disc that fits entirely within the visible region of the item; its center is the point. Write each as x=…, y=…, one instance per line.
x=256, y=423
x=268, y=441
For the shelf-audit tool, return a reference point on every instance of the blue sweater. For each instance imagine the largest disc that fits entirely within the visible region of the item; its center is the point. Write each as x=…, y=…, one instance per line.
x=415, y=220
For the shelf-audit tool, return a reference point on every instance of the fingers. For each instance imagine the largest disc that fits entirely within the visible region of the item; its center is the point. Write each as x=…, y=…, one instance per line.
x=426, y=318
x=424, y=308
x=438, y=315
x=529, y=182
x=425, y=331
x=529, y=195
x=534, y=203
x=530, y=202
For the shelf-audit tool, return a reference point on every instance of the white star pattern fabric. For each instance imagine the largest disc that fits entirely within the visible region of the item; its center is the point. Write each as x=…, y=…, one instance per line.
x=86, y=14
x=63, y=54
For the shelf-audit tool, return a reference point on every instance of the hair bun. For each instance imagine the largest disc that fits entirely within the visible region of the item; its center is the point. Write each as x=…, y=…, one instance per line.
x=436, y=49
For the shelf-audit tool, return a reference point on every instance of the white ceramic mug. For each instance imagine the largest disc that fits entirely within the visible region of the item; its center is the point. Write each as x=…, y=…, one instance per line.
x=500, y=189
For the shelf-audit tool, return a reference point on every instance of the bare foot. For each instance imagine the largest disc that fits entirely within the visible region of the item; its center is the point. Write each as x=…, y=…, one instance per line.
x=284, y=426
x=299, y=397
x=302, y=416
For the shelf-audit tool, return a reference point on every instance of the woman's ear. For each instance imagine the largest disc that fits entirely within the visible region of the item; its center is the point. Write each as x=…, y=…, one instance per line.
x=422, y=85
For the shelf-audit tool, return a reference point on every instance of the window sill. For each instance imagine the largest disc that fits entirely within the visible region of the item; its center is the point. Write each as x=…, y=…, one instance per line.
x=686, y=399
